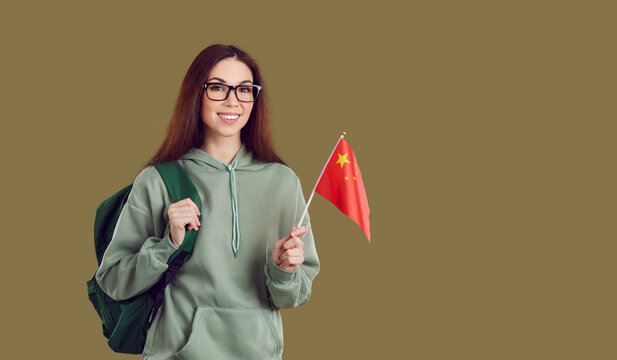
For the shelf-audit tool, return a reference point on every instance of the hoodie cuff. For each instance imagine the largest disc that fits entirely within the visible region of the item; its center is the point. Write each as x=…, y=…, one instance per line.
x=162, y=248
x=277, y=274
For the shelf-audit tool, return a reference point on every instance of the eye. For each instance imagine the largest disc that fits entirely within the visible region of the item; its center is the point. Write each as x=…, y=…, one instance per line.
x=217, y=87
x=245, y=89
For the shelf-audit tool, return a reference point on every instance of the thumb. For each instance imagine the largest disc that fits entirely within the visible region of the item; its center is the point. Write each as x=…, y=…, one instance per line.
x=279, y=243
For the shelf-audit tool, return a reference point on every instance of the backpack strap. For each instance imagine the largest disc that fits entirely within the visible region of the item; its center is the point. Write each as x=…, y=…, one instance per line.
x=180, y=187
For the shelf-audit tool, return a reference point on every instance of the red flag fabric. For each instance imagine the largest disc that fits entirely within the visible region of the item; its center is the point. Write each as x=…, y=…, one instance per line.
x=341, y=183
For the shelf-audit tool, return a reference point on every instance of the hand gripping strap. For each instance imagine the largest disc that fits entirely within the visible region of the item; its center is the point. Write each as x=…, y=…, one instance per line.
x=180, y=187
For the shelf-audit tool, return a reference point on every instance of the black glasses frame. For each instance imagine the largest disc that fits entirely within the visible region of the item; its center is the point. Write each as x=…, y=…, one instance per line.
x=234, y=88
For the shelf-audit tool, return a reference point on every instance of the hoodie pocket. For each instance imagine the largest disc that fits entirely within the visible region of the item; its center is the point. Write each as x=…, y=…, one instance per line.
x=220, y=333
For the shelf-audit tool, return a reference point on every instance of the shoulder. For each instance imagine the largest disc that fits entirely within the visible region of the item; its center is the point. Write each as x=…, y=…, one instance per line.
x=282, y=175
x=148, y=177
x=283, y=170
x=148, y=189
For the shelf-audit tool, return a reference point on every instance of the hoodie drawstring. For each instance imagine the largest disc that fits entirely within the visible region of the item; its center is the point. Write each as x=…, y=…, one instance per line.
x=235, y=234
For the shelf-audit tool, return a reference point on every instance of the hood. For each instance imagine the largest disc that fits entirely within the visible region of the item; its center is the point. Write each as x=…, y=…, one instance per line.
x=243, y=161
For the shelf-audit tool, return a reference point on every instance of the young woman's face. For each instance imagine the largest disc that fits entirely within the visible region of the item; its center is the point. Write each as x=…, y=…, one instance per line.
x=227, y=117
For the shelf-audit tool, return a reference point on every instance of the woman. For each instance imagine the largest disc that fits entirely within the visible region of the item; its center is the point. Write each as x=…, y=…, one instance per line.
x=249, y=260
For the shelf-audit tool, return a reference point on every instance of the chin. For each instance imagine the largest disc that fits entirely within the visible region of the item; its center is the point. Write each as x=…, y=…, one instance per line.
x=223, y=133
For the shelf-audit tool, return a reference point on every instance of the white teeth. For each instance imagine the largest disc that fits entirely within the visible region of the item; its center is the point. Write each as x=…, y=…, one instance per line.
x=229, y=117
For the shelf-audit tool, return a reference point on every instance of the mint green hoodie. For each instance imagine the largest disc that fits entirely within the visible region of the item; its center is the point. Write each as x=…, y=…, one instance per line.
x=221, y=304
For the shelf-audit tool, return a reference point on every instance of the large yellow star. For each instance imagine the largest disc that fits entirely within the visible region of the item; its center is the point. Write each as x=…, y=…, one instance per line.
x=342, y=159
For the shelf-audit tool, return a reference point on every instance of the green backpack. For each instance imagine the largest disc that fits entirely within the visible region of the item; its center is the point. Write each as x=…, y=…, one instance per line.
x=126, y=322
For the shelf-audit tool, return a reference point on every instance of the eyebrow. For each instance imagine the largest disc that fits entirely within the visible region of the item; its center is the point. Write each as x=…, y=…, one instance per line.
x=223, y=81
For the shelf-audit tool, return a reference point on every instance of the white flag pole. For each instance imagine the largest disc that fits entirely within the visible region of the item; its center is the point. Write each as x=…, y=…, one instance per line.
x=314, y=187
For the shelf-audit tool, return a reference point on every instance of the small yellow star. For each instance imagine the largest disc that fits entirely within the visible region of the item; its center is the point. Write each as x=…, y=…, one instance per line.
x=346, y=177
x=354, y=178
x=342, y=159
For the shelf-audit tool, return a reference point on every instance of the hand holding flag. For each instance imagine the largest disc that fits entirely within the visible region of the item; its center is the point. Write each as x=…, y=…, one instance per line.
x=288, y=252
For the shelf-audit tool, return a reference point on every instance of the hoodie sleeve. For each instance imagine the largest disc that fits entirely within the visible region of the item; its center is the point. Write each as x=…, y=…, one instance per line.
x=140, y=247
x=288, y=289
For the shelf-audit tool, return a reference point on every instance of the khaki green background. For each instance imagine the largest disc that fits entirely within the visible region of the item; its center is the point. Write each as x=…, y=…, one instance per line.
x=484, y=131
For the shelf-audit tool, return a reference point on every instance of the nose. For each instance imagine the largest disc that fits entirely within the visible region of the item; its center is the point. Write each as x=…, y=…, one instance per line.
x=232, y=99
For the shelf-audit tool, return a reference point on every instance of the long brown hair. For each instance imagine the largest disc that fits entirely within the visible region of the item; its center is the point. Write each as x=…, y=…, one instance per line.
x=186, y=128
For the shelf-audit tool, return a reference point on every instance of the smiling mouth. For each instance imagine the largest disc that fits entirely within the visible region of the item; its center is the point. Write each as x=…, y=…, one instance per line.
x=229, y=116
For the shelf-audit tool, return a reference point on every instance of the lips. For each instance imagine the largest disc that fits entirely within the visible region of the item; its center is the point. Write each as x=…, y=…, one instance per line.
x=228, y=118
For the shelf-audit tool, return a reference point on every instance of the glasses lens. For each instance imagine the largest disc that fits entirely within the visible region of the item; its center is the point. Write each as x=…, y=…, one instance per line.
x=217, y=91
x=246, y=93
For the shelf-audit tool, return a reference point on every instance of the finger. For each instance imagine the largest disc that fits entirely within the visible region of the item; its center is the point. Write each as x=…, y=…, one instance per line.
x=293, y=252
x=195, y=223
x=185, y=211
x=182, y=221
x=289, y=267
x=287, y=254
x=193, y=226
x=276, y=251
x=277, y=244
x=184, y=203
x=298, y=231
x=296, y=260
x=293, y=242
x=286, y=238
x=182, y=210
x=194, y=206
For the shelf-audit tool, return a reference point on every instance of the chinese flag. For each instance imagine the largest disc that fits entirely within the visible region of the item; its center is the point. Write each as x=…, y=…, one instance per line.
x=341, y=183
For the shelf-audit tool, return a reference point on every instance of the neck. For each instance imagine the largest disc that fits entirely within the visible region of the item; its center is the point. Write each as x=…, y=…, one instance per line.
x=222, y=149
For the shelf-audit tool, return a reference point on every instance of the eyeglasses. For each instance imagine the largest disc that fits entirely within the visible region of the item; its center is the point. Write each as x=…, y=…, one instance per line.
x=220, y=91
